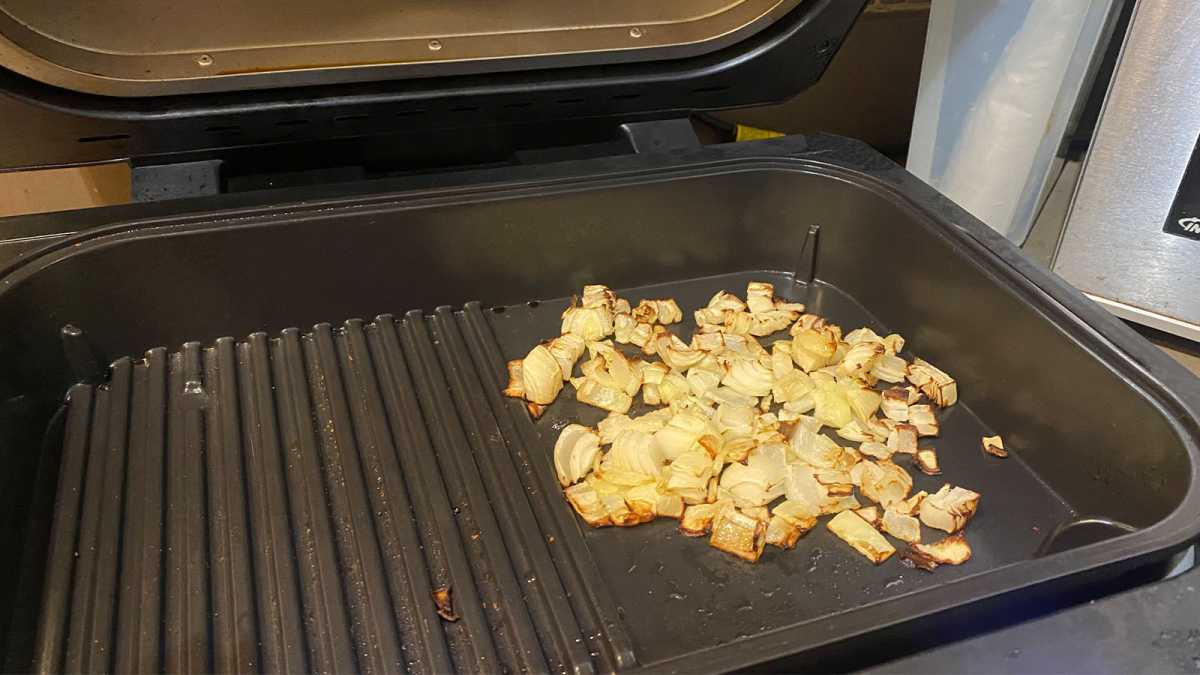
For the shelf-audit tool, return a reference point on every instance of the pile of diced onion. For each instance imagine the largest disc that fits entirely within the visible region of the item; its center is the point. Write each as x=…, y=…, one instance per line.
x=736, y=450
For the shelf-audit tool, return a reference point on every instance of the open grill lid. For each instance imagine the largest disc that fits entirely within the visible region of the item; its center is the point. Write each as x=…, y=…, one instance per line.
x=132, y=48
x=740, y=53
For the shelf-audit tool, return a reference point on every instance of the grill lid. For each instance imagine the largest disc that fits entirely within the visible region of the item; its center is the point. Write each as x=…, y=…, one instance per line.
x=133, y=48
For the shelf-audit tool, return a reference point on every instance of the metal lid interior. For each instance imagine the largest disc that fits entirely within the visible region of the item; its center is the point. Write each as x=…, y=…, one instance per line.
x=134, y=48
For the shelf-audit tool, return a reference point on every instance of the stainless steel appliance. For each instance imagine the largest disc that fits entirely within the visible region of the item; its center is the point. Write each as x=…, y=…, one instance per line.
x=1132, y=237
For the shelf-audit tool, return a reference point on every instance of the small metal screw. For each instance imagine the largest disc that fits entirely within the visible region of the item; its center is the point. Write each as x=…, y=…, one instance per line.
x=435, y=45
x=635, y=32
x=204, y=60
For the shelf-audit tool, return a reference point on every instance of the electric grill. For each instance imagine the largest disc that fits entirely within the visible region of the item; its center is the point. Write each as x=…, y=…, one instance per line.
x=254, y=432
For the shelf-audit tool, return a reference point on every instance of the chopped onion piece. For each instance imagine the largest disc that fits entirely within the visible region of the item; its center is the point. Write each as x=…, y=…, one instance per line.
x=739, y=323
x=682, y=432
x=738, y=449
x=951, y=550
x=771, y=458
x=635, y=451
x=783, y=533
x=618, y=474
x=760, y=296
x=912, y=505
x=927, y=462
x=587, y=503
x=598, y=295
x=869, y=514
x=643, y=501
x=702, y=382
x=724, y=301
x=823, y=376
x=749, y=378
x=922, y=417
x=772, y=321
x=894, y=404
x=574, y=453
x=698, y=518
x=879, y=428
x=541, y=376
x=602, y=486
x=748, y=486
x=595, y=394
x=691, y=489
x=854, y=432
x=801, y=405
x=676, y=353
x=863, y=334
x=624, y=328
x=832, y=406
x=658, y=311
x=994, y=445
x=860, y=359
x=589, y=323
x=901, y=526
x=894, y=343
x=735, y=420
x=612, y=425
x=619, y=512
x=654, y=372
x=949, y=508
x=781, y=359
x=709, y=342
x=865, y=472
x=861, y=536
x=801, y=486
x=806, y=322
x=726, y=395
x=613, y=368
x=839, y=504
x=903, y=439
x=875, y=450
x=934, y=383
x=669, y=506
x=814, y=349
x=737, y=533
x=892, y=486
x=643, y=335
x=516, y=385
x=863, y=400
x=566, y=349
x=793, y=385
x=760, y=513
x=800, y=513
x=673, y=388
x=615, y=423
x=889, y=368
x=815, y=449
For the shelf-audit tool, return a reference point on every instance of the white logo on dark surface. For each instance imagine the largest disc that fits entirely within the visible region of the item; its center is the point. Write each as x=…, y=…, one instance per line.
x=1190, y=225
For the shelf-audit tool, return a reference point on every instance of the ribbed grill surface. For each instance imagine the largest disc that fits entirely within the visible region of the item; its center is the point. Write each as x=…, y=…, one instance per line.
x=289, y=503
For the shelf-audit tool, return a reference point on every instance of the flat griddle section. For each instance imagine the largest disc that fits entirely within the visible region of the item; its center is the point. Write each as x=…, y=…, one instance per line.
x=678, y=597
x=290, y=503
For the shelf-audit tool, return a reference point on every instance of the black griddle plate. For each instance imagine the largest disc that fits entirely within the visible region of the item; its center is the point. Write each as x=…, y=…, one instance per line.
x=289, y=503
